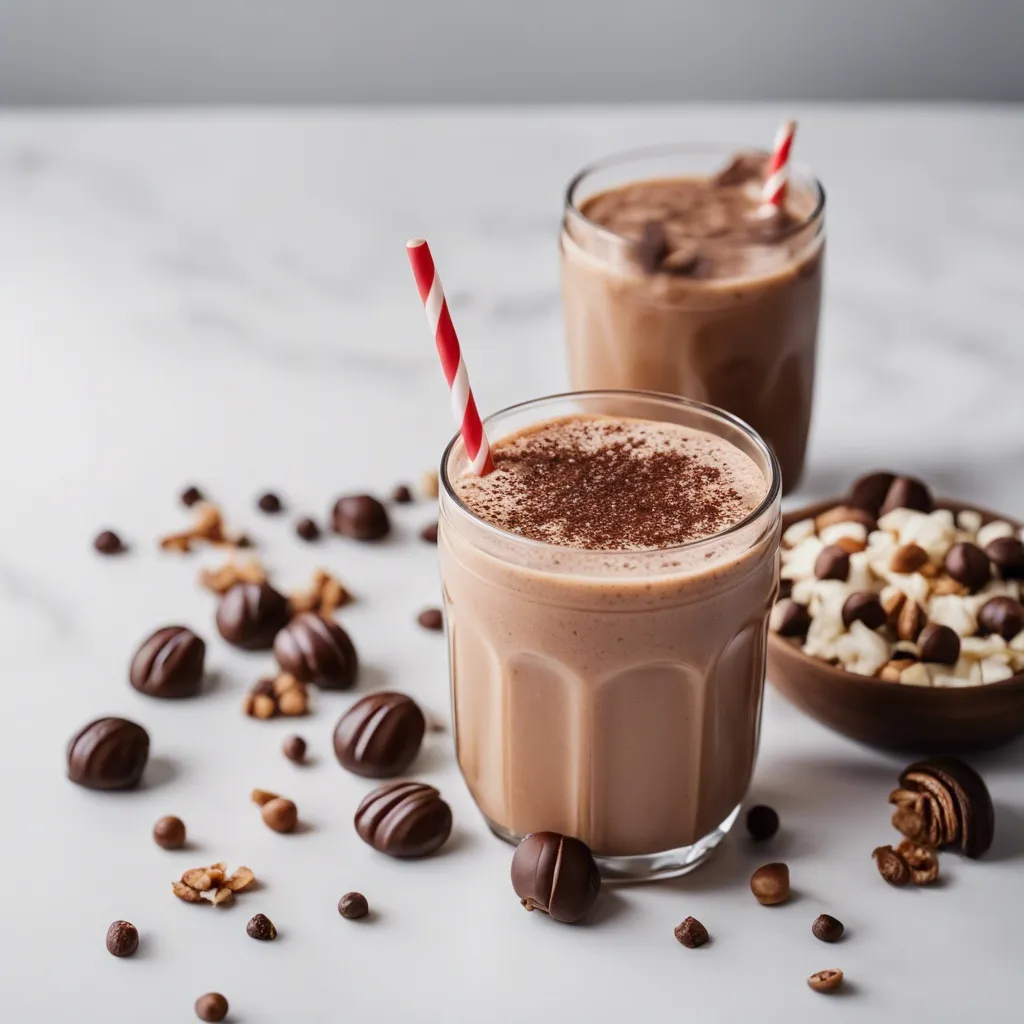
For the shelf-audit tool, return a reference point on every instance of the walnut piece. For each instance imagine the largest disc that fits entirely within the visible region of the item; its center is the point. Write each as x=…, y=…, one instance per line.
x=239, y=879
x=923, y=863
x=324, y=594
x=222, y=579
x=891, y=865
x=186, y=892
x=212, y=885
x=198, y=879
x=208, y=528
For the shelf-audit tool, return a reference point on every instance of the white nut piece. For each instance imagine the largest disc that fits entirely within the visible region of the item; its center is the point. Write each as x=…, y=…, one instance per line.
x=1017, y=643
x=936, y=536
x=802, y=590
x=976, y=648
x=822, y=637
x=894, y=521
x=798, y=562
x=955, y=612
x=827, y=599
x=993, y=531
x=797, y=532
x=943, y=516
x=990, y=670
x=913, y=584
x=860, y=577
x=918, y=674
x=862, y=651
x=835, y=532
x=951, y=682
x=969, y=521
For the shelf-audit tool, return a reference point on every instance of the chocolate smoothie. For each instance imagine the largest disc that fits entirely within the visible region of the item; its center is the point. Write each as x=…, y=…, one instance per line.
x=607, y=589
x=686, y=283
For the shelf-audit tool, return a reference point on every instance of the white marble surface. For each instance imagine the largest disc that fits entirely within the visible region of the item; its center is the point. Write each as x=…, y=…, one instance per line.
x=226, y=300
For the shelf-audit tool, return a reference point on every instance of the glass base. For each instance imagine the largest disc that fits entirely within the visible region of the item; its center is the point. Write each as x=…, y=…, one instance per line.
x=649, y=867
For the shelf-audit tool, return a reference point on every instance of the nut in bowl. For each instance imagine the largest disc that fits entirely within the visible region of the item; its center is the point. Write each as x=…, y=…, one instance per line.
x=899, y=622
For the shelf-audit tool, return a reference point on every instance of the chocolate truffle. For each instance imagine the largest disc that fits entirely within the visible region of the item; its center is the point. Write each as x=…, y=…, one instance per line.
x=360, y=516
x=404, y=819
x=250, y=615
x=169, y=663
x=380, y=735
x=110, y=753
x=556, y=875
x=317, y=650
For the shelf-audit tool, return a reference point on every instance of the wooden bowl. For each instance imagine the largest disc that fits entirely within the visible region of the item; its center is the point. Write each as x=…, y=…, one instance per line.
x=894, y=716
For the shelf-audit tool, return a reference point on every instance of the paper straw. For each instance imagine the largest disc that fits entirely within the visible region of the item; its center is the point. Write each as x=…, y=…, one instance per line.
x=778, y=167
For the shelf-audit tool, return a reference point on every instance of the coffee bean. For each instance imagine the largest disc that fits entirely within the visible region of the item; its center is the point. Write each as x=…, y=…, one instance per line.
x=891, y=865
x=826, y=981
x=279, y=814
x=832, y=564
x=907, y=492
x=108, y=543
x=404, y=819
x=556, y=875
x=1002, y=616
x=122, y=939
x=361, y=517
x=864, y=607
x=939, y=644
x=402, y=495
x=212, y=1007
x=1008, y=555
x=770, y=884
x=250, y=615
x=169, y=833
x=691, y=933
x=762, y=822
x=262, y=928
x=429, y=533
x=380, y=735
x=169, y=664
x=307, y=529
x=109, y=753
x=269, y=503
x=317, y=650
x=431, y=618
x=827, y=928
x=869, y=491
x=652, y=246
x=353, y=906
x=294, y=748
x=191, y=496
x=968, y=564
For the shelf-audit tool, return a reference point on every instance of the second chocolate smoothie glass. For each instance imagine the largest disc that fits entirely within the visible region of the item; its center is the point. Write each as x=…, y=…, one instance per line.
x=675, y=280
x=613, y=695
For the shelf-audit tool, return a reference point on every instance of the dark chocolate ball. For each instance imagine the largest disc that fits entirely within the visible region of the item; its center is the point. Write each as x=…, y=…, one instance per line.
x=907, y=492
x=868, y=492
x=555, y=874
x=250, y=615
x=969, y=565
x=832, y=564
x=1003, y=616
x=380, y=735
x=110, y=753
x=864, y=607
x=360, y=516
x=794, y=619
x=169, y=663
x=317, y=650
x=939, y=645
x=1008, y=555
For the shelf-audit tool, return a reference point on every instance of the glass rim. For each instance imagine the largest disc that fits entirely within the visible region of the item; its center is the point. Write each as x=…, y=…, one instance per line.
x=627, y=156
x=772, y=494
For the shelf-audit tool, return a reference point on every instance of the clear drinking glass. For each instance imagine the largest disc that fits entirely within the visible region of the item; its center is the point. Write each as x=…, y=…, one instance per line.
x=608, y=695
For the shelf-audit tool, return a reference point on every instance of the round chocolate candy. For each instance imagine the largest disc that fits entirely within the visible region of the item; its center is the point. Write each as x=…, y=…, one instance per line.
x=360, y=516
x=380, y=735
x=864, y=607
x=868, y=492
x=1008, y=555
x=832, y=564
x=557, y=875
x=793, y=618
x=110, y=753
x=250, y=615
x=939, y=645
x=968, y=564
x=169, y=663
x=317, y=650
x=907, y=492
x=404, y=819
x=1002, y=616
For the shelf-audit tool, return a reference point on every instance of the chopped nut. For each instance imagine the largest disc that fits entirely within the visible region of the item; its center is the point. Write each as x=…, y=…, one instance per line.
x=923, y=863
x=208, y=527
x=891, y=865
x=222, y=895
x=186, y=892
x=890, y=672
x=294, y=702
x=910, y=621
x=324, y=594
x=262, y=796
x=198, y=879
x=220, y=581
x=851, y=545
x=239, y=879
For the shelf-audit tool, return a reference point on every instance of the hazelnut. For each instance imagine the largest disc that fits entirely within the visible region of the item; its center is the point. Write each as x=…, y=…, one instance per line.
x=770, y=884
x=281, y=815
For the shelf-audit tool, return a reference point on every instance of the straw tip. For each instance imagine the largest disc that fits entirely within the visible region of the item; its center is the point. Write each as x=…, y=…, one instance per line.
x=415, y=243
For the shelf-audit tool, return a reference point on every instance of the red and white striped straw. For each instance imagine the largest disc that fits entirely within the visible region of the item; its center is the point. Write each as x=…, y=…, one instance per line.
x=778, y=167
x=463, y=406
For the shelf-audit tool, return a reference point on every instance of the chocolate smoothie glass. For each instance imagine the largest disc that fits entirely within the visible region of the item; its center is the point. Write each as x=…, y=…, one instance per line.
x=676, y=278
x=607, y=591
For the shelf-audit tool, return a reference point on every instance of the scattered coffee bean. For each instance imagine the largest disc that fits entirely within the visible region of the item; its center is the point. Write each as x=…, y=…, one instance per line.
x=380, y=735
x=317, y=650
x=826, y=981
x=832, y=564
x=939, y=645
x=169, y=664
x=770, y=884
x=404, y=819
x=191, y=496
x=1002, y=616
x=250, y=615
x=556, y=875
x=212, y=1007
x=827, y=928
x=295, y=749
x=652, y=246
x=269, y=503
x=1008, y=555
x=969, y=565
x=353, y=906
x=869, y=491
x=864, y=607
x=109, y=753
x=262, y=928
x=169, y=833
x=279, y=814
x=762, y=822
x=307, y=529
x=429, y=533
x=891, y=865
x=122, y=939
x=402, y=495
x=108, y=543
x=691, y=933
x=793, y=619
x=431, y=618
x=907, y=492
x=361, y=517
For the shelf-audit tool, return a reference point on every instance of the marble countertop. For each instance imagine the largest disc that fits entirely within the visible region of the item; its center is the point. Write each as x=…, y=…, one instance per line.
x=224, y=299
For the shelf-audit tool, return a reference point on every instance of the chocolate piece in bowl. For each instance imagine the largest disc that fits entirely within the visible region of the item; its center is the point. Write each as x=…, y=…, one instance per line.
x=556, y=875
x=832, y=564
x=939, y=645
x=109, y=753
x=868, y=492
x=361, y=517
x=1007, y=554
x=380, y=735
x=968, y=564
x=250, y=615
x=1002, y=616
x=863, y=607
x=169, y=663
x=315, y=649
x=404, y=819
x=907, y=492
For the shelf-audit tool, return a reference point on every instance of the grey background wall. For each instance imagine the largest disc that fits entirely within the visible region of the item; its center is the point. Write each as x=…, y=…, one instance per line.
x=239, y=51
